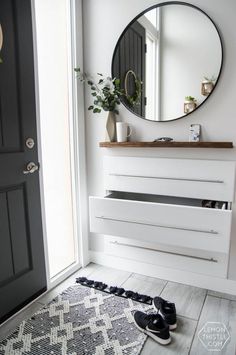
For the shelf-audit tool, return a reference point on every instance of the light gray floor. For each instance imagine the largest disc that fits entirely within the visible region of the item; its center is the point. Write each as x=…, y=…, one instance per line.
x=195, y=307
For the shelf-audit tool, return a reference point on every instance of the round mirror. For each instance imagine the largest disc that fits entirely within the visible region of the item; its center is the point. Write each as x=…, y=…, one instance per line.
x=169, y=60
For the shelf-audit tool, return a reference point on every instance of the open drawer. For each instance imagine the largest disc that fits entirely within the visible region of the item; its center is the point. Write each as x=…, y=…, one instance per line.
x=162, y=219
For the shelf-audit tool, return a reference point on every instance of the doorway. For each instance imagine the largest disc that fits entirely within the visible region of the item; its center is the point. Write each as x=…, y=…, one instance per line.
x=53, y=39
x=42, y=151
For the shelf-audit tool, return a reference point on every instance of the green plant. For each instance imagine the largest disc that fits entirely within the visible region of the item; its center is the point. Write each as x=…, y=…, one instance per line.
x=106, y=92
x=190, y=98
x=134, y=99
x=212, y=79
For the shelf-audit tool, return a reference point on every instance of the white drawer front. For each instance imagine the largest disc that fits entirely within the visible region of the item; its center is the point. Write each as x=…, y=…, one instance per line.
x=206, y=263
x=190, y=227
x=203, y=179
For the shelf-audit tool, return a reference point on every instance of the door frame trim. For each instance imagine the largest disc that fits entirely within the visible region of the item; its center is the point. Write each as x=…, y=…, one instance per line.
x=79, y=135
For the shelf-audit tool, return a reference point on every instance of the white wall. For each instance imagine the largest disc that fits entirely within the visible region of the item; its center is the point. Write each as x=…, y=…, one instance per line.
x=104, y=20
x=53, y=48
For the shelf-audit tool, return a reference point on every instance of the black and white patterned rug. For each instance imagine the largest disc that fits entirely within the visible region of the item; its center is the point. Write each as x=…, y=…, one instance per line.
x=80, y=321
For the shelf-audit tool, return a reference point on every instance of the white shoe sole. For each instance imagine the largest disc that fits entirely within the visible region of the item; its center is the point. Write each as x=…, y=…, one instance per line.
x=171, y=326
x=158, y=340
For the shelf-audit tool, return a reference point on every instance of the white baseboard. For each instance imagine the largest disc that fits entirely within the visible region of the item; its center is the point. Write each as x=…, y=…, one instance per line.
x=192, y=279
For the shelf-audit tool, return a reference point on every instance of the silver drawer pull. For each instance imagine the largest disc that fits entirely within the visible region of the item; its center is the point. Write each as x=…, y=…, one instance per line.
x=166, y=252
x=156, y=225
x=168, y=178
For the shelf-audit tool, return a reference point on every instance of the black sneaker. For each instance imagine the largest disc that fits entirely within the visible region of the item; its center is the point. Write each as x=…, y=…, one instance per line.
x=167, y=311
x=154, y=326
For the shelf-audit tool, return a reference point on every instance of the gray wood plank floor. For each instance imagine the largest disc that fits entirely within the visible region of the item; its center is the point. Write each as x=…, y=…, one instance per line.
x=217, y=310
x=195, y=307
x=188, y=299
x=144, y=284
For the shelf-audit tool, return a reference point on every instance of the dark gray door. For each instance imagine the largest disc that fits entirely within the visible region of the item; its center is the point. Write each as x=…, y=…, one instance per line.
x=22, y=265
x=130, y=55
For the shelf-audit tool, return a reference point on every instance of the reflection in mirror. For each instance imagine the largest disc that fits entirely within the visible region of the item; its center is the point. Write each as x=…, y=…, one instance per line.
x=175, y=53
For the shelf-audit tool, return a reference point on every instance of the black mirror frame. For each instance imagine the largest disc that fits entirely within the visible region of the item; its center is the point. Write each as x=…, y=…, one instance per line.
x=154, y=7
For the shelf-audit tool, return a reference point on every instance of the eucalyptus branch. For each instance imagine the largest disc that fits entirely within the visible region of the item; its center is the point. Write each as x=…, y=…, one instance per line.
x=106, y=91
x=212, y=79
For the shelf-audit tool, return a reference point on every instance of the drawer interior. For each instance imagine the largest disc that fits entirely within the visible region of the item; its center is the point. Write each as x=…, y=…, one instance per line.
x=171, y=200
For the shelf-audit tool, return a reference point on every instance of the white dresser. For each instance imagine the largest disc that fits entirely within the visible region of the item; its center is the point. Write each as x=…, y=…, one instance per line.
x=152, y=212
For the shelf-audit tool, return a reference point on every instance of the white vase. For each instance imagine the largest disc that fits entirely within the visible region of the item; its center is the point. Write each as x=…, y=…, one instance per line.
x=111, y=127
